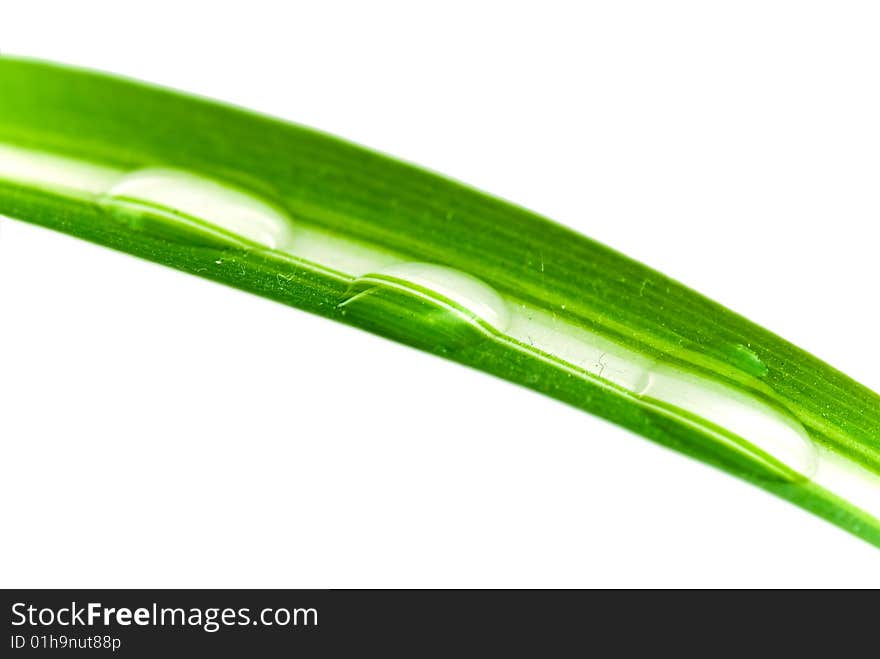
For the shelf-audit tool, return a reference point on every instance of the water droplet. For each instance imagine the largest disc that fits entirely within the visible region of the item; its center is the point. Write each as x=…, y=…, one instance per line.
x=734, y=417
x=746, y=360
x=45, y=170
x=738, y=418
x=459, y=291
x=180, y=206
x=429, y=306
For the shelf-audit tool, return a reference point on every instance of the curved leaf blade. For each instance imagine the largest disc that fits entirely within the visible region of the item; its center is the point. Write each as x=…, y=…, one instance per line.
x=329, y=227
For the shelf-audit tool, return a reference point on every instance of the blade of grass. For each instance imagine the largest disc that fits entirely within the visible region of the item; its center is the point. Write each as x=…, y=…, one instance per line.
x=326, y=226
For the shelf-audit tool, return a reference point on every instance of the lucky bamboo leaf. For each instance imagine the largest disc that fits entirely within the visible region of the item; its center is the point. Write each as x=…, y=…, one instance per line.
x=314, y=222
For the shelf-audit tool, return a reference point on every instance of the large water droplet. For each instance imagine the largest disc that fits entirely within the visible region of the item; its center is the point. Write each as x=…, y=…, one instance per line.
x=425, y=305
x=67, y=176
x=459, y=291
x=736, y=417
x=185, y=207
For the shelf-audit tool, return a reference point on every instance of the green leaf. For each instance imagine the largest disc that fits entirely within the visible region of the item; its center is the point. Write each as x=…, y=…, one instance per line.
x=329, y=227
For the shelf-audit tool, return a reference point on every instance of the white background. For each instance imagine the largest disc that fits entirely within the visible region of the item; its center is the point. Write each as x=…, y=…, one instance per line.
x=160, y=430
